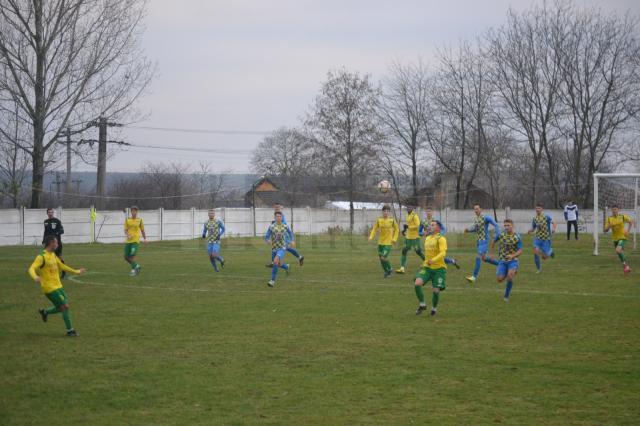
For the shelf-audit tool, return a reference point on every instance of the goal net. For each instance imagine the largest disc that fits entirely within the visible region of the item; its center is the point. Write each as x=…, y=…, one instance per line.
x=611, y=189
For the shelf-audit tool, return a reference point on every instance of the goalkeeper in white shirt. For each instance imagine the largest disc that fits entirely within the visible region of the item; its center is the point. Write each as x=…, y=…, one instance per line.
x=571, y=216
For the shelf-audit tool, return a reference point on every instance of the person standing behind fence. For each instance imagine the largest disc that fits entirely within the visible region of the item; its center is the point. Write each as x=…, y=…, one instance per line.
x=53, y=226
x=571, y=216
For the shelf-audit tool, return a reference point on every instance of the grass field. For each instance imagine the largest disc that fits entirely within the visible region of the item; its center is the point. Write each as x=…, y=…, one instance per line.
x=333, y=343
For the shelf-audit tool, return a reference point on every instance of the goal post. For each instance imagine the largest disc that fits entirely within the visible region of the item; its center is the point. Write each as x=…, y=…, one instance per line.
x=614, y=188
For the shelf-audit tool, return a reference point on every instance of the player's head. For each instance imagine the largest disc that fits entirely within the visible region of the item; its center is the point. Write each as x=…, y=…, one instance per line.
x=50, y=243
x=278, y=216
x=50, y=213
x=436, y=226
x=615, y=209
x=410, y=208
x=477, y=209
x=212, y=213
x=134, y=211
x=428, y=211
x=386, y=210
x=539, y=208
x=508, y=225
x=570, y=202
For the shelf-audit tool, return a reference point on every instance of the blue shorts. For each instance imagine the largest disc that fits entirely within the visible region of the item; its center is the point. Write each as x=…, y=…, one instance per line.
x=483, y=247
x=279, y=253
x=543, y=245
x=213, y=248
x=505, y=266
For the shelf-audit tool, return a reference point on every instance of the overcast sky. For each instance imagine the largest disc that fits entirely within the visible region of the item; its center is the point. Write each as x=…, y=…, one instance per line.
x=256, y=65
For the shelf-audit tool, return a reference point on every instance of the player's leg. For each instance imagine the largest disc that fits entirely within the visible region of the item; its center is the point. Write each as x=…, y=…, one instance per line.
x=511, y=273
x=547, y=249
x=621, y=255
x=421, y=277
x=569, y=223
x=296, y=254
x=575, y=228
x=536, y=255
x=403, y=256
x=275, y=261
x=481, y=254
x=438, y=283
x=61, y=305
x=212, y=256
x=384, y=259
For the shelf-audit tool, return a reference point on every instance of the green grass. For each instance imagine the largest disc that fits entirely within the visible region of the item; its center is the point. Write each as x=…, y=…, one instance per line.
x=333, y=343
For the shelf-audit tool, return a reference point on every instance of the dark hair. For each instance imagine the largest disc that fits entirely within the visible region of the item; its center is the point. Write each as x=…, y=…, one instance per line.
x=386, y=207
x=47, y=240
x=615, y=206
x=134, y=208
x=49, y=209
x=476, y=204
x=508, y=221
x=277, y=213
x=539, y=205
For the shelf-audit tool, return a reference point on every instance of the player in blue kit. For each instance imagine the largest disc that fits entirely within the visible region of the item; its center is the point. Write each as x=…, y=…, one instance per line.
x=481, y=228
x=213, y=230
x=279, y=236
x=509, y=251
x=544, y=227
x=291, y=244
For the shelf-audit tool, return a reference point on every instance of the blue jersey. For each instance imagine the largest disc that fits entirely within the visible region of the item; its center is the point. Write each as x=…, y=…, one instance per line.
x=509, y=245
x=481, y=227
x=424, y=230
x=542, y=225
x=213, y=230
x=279, y=235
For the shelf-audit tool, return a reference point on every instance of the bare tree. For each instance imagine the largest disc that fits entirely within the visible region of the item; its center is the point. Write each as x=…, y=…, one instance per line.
x=601, y=91
x=526, y=74
x=208, y=183
x=403, y=108
x=66, y=63
x=343, y=122
x=13, y=160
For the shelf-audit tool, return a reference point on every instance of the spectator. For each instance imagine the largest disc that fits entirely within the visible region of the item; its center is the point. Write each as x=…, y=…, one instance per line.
x=571, y=216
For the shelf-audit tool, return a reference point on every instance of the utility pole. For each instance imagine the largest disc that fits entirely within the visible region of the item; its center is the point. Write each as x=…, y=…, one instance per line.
x=67, y=183
x=101, y=180
x=77, y=182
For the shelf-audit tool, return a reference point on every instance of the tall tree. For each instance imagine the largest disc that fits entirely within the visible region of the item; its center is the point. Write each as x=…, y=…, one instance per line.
x=403, y=107
x=344, y=123
x=66, y=63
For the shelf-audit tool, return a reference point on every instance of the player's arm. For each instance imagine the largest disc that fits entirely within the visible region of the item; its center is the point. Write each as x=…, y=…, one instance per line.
x=289, y=237
x=67, y=268
x=495, y=239
x=421, y=230
x=126, y=229
x=533, y=227
x=519, y=251
x=372, y=235
x=566, y=212
x=38, y=263
x=607, y=226
x=144, y=235
x=396, y=231
x=267, y=235
x=442, y=251
x=630, y=224
x=60, y=228
x=204, y=230
x=221, y=227
x=472, y=228
x=554, y=225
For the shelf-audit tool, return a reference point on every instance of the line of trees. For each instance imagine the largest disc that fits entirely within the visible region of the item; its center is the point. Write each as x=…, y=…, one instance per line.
x=528, y=112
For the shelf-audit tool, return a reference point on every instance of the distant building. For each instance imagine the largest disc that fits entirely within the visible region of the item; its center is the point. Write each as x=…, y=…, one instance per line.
x=441, y=194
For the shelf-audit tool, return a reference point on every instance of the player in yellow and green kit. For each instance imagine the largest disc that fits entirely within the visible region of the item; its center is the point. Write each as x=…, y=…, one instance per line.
x=133, y=228
x=434, y=268
x=411, y=233
x=616, y=223
x=45, y=270
x=389, y=231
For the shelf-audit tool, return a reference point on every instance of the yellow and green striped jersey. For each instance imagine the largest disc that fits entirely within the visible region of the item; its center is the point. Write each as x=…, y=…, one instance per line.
x=435, y=249
x=47, y=266
x=388, y=231
x=616, y=224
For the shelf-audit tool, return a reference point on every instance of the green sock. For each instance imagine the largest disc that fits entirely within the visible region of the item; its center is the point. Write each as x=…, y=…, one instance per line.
x=420, y=294
x=421, y=254
x=387, y=265
x=67, y=320
x=403, y=260
x=51, y=310
x=434, y=299
x=134, y=265
x=622, y=257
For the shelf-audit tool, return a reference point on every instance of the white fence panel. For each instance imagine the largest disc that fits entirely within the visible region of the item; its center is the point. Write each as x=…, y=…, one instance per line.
x=11, y=229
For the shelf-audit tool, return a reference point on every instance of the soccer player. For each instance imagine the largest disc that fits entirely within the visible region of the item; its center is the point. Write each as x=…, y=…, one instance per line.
x=279, y=235
x=616, y=223
x=213, y=230
x=481, y=228
x=45, y=270
x=53, y=226
x=411, y=238
x=133, y=228
x=544, y=227
x=433, y=269
x=292, y=244
x=425, y=229
x=508, y=252
x=389, y=231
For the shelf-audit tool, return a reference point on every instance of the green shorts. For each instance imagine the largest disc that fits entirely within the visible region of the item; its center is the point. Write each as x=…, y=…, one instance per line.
x=131, y=249
x=619, y=243
x=58, y=297
x=384, y=251
x=412, y=244
x=436, y=276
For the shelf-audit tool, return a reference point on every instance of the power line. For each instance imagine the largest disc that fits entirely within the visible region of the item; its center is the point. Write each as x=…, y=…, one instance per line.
x=202, y=131
x=199, y=150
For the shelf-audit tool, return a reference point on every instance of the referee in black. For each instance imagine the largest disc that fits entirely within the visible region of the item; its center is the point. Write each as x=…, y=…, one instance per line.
x=53, y=226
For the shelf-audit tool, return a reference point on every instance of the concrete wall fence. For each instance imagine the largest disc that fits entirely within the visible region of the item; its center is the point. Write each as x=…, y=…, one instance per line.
x=25, y=226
